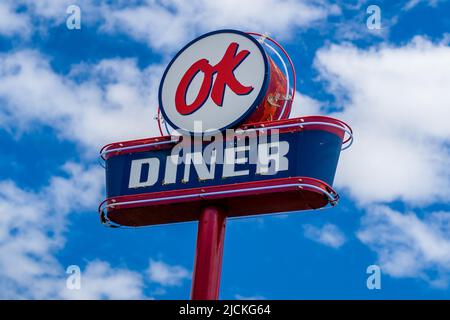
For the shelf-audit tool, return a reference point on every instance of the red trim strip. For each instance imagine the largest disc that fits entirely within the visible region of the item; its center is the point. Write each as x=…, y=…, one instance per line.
x=169, y=210
x=301, y=120
x=163, y=195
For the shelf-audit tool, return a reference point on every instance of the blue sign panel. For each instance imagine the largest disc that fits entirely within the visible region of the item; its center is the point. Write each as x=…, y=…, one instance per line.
x=306, y=153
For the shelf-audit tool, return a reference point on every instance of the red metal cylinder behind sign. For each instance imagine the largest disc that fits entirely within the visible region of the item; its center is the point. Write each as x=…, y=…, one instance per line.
x=271, y=107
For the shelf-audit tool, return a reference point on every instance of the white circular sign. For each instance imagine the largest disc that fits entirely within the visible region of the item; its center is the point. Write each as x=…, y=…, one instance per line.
x=215, y=81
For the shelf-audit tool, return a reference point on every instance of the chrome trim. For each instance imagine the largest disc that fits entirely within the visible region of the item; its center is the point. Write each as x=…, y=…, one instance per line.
x=105, y=152
x=241, y=131
x=288, y=89
x=290, y=125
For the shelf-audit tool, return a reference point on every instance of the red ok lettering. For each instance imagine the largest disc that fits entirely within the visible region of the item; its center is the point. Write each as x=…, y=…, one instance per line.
x=225, y=77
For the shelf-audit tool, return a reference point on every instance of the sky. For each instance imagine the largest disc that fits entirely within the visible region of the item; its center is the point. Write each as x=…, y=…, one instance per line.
x=64, y=93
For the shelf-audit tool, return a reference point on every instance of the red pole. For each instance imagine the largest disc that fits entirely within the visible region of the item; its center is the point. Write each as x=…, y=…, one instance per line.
x=209, y=252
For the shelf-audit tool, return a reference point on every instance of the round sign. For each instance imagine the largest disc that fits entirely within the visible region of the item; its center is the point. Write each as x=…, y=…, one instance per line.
x=214, y=82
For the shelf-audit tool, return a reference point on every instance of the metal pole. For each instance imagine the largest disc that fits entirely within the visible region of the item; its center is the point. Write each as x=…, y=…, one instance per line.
x=209, y=252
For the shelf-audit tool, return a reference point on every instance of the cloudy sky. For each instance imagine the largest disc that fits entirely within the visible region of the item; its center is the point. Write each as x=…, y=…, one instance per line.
x=65, y=93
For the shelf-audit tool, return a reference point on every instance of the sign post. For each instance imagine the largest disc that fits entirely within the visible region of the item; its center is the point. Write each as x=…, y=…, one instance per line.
x=209, y=252
x=234, y=151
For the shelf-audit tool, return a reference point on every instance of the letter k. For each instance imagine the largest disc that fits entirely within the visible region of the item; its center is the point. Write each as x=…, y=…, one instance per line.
x=225, y=74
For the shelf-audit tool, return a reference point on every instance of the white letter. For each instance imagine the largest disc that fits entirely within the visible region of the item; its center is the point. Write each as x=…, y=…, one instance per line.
x=200, y=166
x=270, y=162
x=170, y=174
x=175, y=158
x=214, y=150
x=136, y=169
x=234, y=155
x=246, y=138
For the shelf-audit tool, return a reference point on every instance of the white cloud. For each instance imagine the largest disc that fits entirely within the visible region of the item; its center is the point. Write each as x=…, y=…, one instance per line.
x=25, y=17
x=26, y=260
x=169, y=24
x=329, y=235
x=356, y=28
x=100, y=281
x=92, y=105
x=166, y=25
x=408, y=246
x=52, y=12
x=11, y=22
x=32, y=231
x=305, y=106
x=413, y=3
x=167, y=275
x=51, y=9
x=396, y=100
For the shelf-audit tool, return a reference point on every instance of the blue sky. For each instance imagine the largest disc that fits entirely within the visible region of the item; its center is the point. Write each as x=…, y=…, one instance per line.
x=64, y=93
